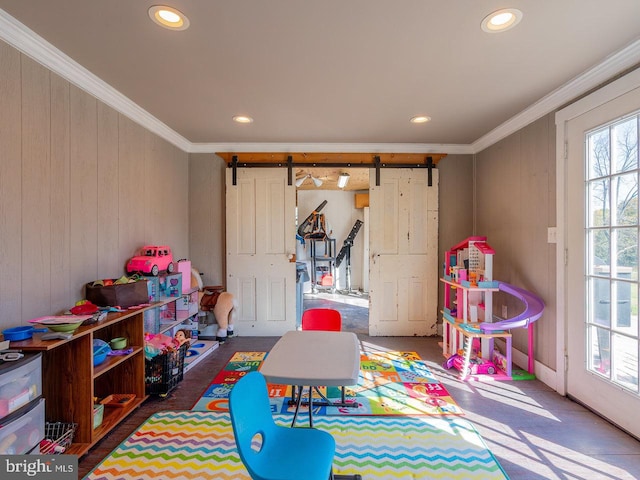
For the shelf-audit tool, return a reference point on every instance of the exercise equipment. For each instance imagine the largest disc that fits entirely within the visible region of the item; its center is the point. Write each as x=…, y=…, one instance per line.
x=345, y=252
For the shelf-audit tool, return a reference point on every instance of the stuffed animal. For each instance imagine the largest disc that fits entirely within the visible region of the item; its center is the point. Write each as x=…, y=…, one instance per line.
x=224, y=311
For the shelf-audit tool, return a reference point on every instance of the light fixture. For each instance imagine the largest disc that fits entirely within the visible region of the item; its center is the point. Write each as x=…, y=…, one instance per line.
x=316, y=181
x=501, y=20
x=420, y=119
x=343, y=179
x=168, y=17
x=301, y=180
x=242, y=119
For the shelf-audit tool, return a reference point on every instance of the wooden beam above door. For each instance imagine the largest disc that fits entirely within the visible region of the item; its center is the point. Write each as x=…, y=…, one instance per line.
x=347, y=159
x=327, y=166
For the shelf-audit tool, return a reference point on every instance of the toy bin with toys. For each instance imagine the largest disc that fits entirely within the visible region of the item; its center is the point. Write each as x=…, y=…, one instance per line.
x=165, y=370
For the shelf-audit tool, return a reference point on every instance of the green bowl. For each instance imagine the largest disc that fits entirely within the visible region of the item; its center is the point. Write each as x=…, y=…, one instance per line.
x=62, y=327
x=118, y=343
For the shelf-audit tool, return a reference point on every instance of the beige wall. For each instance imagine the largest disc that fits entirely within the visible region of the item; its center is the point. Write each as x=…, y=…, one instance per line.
x=515, y=204
x=456, y=208
x=81, y=188
x=207, y=217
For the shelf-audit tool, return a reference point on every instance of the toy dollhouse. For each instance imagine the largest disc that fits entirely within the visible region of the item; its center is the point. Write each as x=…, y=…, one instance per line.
x=469, y=264
x=469, y=329
x=468, y=300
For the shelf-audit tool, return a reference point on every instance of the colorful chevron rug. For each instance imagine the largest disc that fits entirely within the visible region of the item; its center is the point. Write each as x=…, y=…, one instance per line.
x=390, y=383
x=200, y=445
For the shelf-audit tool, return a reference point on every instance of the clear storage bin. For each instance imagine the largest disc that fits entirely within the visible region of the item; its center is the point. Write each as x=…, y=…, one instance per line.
x=21, y=434
x=20, y=383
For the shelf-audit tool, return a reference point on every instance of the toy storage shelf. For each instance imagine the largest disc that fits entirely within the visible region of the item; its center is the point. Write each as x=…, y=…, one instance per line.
x=180, y=310
x=71, y=381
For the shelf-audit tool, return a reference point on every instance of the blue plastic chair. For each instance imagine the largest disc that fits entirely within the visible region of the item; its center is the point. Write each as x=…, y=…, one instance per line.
x=270, y=451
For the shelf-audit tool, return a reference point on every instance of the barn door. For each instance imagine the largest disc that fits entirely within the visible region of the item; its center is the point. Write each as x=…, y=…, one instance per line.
x=403, y=253
x=260, y=238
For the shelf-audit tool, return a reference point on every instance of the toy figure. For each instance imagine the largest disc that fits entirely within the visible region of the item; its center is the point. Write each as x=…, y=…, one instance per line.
x=223, y=311
x=182, y=336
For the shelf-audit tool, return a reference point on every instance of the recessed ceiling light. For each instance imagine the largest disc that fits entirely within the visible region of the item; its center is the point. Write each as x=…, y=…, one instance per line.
x=168, y=17
x=501, y=20
x=420, y=119
x=242, y=119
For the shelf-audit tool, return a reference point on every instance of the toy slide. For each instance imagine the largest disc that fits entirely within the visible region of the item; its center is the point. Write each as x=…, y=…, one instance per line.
x=534, y=307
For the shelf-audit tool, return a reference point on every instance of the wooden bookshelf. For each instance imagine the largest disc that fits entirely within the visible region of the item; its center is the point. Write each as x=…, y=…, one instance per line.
x=71, y=382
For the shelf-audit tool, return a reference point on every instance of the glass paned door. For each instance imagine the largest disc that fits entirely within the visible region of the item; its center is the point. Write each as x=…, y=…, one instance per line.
x=611, y=236
x=600, y=281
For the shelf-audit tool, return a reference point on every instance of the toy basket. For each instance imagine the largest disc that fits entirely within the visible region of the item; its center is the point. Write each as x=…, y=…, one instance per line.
x=58, y=436
x=164, y=372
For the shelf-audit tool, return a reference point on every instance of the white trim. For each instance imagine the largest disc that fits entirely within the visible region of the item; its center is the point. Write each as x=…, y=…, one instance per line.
x=27, y=41
x=561, y=269
x=331, y=147
x=603, y=95
x=611, y=66
x=607, y=93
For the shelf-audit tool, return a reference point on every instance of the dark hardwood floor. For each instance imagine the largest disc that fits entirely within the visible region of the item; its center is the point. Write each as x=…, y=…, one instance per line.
x=533, y=432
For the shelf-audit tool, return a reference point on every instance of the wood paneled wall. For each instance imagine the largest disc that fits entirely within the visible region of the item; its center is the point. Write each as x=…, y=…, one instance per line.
x=456, y=209
x=515, y=204
x=81, y=188
x=207, y=216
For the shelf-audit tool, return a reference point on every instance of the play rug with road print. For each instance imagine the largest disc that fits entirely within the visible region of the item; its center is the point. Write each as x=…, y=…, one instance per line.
x=390, y=383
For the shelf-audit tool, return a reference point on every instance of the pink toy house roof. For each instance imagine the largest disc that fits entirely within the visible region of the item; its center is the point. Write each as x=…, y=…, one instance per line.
x=480, y=243
x=484, y=248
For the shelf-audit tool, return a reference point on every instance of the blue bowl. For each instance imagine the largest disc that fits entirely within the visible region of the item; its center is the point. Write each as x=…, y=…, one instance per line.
x=100, y=351
x=98, y=359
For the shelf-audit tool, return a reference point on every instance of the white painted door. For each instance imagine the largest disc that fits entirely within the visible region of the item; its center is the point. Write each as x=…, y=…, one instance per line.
x=261, y=235
x=403, y=251
x=601, y=288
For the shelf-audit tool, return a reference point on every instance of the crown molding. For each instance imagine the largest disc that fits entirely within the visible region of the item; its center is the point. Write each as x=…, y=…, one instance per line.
x=611, y=66
x=450, y=149
x=31, y=44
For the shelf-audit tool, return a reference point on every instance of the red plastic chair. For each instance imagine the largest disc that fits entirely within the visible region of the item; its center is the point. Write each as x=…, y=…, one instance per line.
x=326, y=319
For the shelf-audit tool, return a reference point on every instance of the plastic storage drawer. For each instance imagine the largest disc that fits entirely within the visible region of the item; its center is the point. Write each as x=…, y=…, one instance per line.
x=21, y=434
x=20, y=383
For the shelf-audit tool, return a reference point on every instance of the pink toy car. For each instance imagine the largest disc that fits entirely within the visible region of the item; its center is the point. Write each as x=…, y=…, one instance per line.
x=477, y=366
x=153, y=260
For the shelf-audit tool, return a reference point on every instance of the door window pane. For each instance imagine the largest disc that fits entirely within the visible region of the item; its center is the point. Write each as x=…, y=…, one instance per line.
x=625, y=361
x=599, y=210
x=625, y=198
x=599, y=153
x=626, y=253
x=624, y=141
x=600, y=351
x=599, y=252
x=600, y=300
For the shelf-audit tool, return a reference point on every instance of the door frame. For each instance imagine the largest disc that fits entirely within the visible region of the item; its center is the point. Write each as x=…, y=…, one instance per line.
x=596, y=99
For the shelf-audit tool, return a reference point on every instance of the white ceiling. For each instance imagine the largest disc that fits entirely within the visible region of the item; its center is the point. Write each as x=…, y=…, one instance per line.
x=330, y=75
